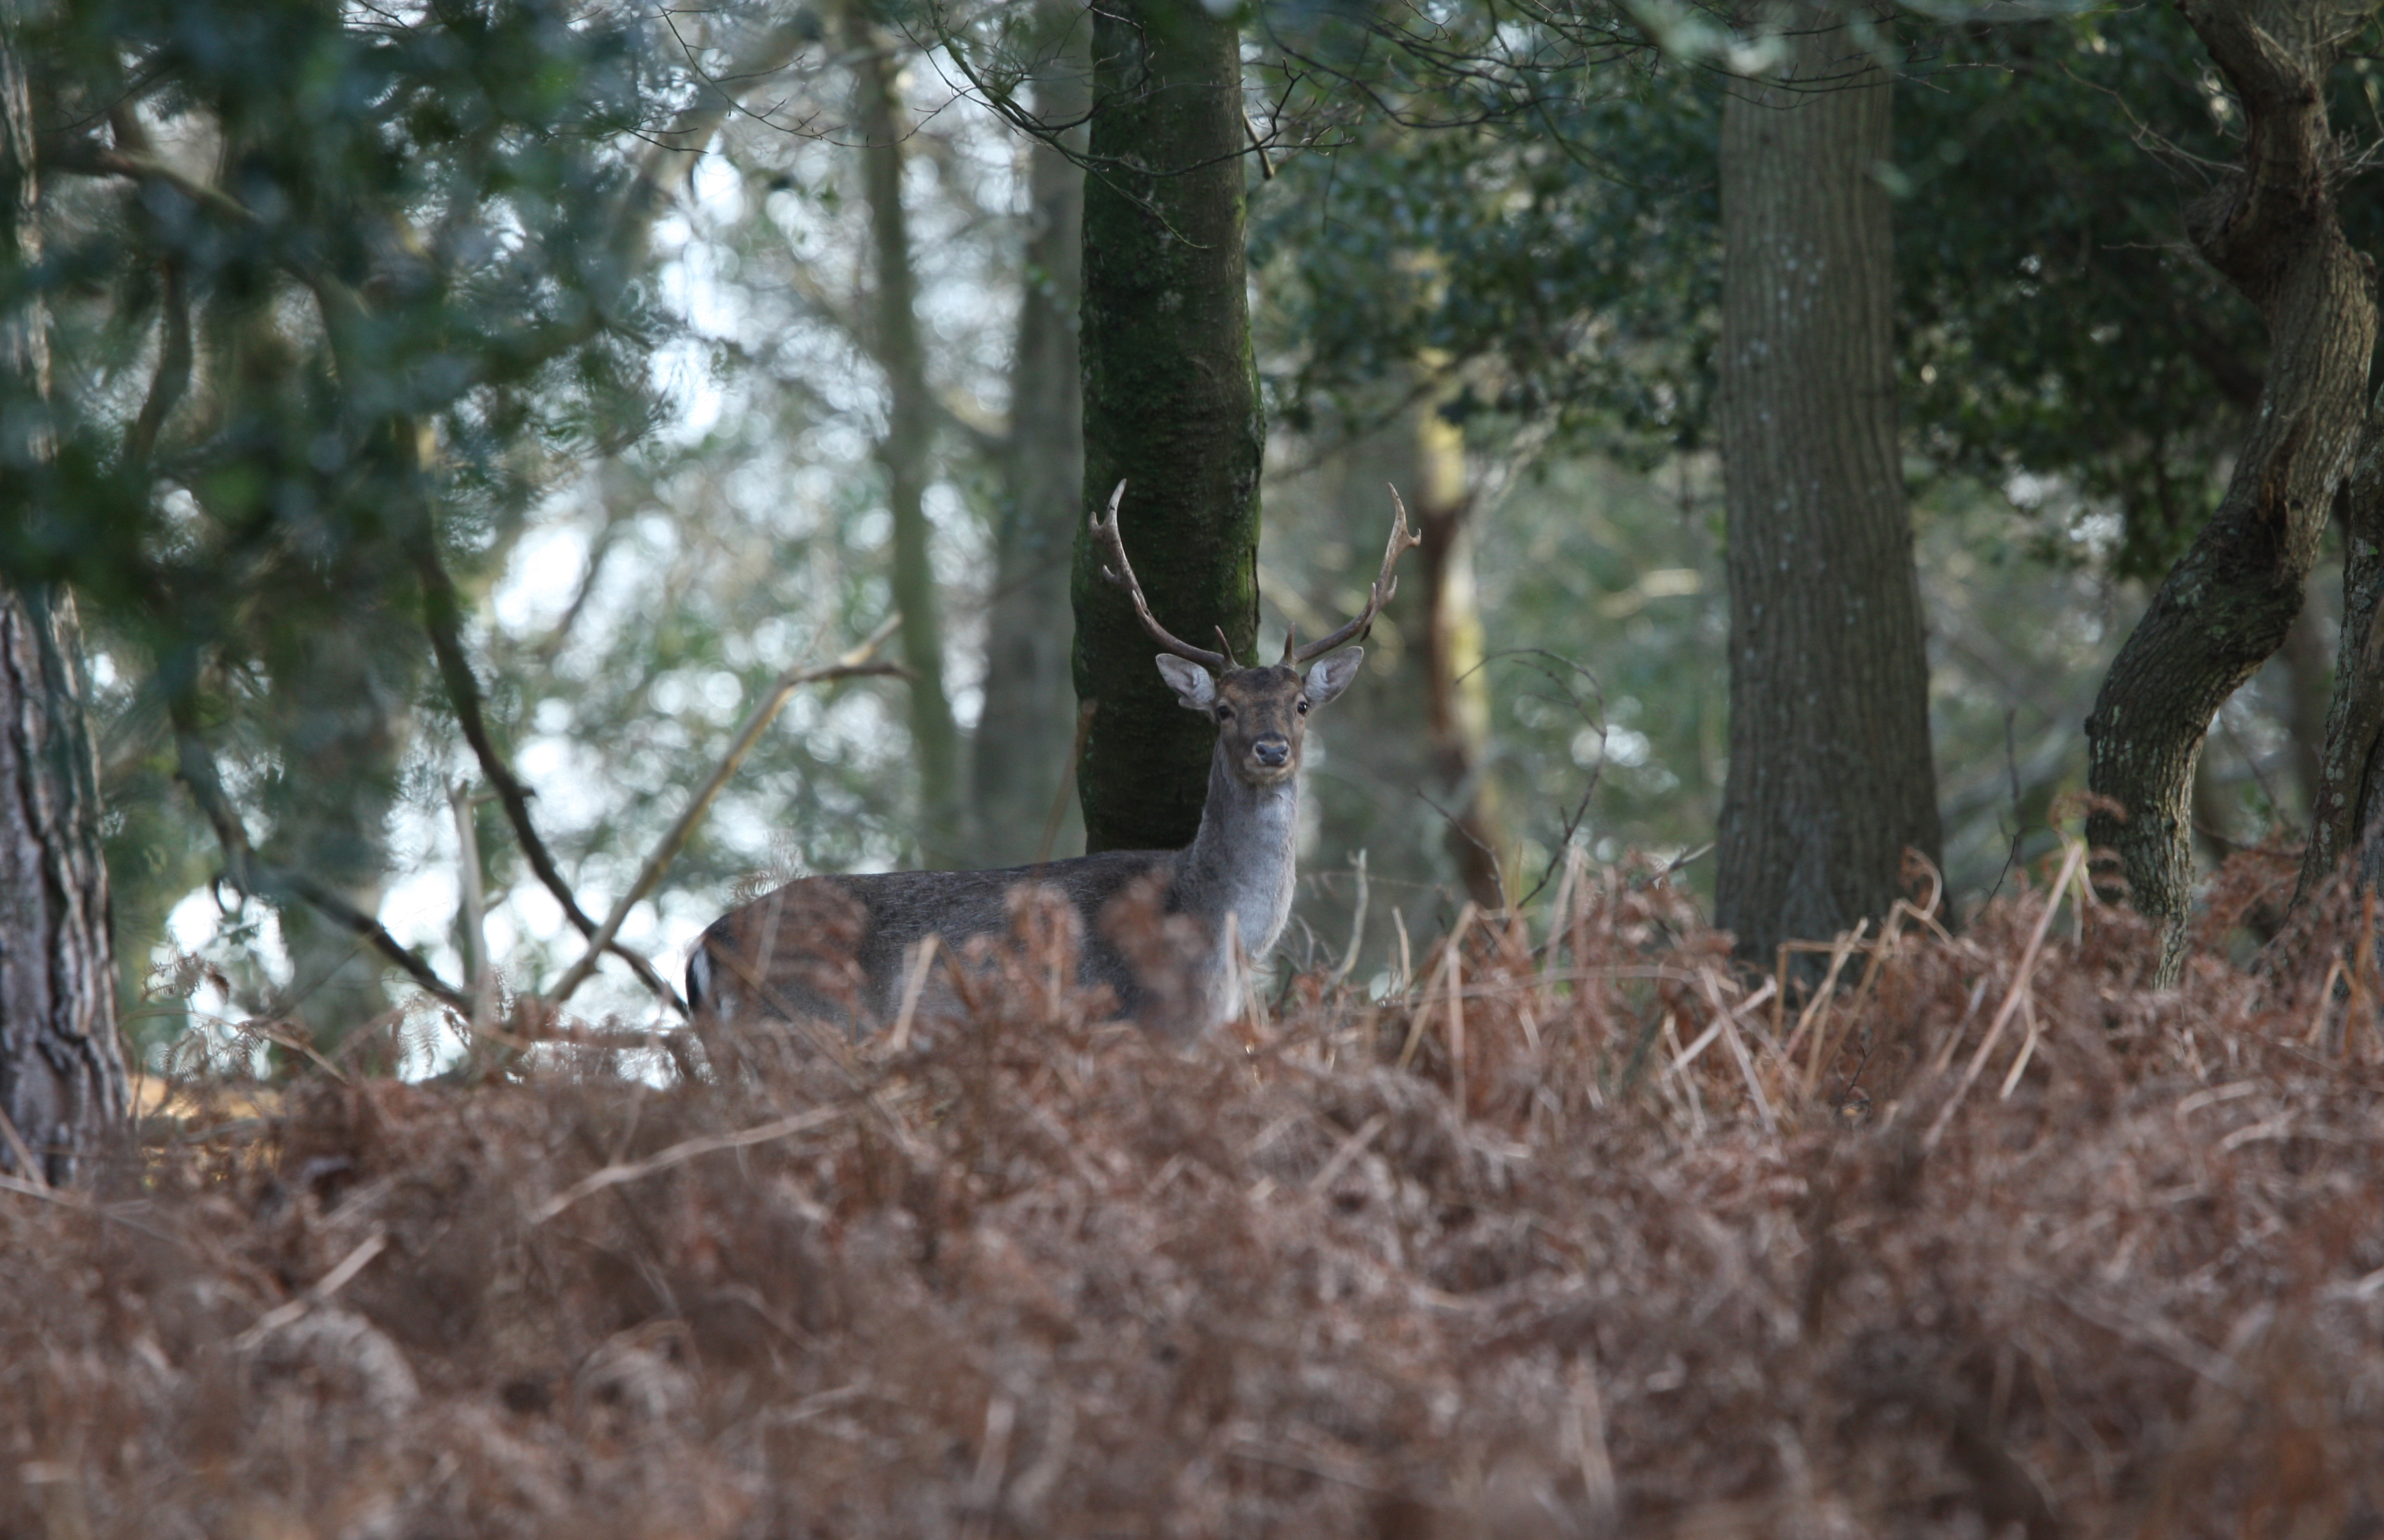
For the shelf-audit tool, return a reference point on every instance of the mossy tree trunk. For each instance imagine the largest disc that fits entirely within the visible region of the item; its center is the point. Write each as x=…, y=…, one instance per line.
x=1831, y=777
x=903, y=448
x=1028, y=728
x=2271, y=227
x=61, y=1071
x=1171, y=404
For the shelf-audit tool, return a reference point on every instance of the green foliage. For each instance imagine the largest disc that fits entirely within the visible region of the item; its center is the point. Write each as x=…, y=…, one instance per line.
x=2055, y=321
x=1557, y=264
x=1557, y=257
x=332, y=292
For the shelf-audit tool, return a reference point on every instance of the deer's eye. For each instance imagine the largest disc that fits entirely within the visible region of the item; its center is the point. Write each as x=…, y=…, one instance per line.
x=1303, y=708
x=1225, y=713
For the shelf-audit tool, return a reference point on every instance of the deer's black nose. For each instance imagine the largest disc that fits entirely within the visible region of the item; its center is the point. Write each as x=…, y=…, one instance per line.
x=1272, y=751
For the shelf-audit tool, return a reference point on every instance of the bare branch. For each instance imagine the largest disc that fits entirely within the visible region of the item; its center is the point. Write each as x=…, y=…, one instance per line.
x=852, y=665
x=441, y=617
x=252, y=874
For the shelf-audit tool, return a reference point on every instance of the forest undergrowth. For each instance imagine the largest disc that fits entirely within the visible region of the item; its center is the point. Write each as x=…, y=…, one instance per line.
x=1582, y=1231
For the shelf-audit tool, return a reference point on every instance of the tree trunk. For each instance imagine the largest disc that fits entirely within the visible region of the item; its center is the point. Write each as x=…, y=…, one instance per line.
x=341, y=711
x=1028, y=729
x=61, y=1073
x=2271, y=229
x=2345, y=808
x=934, y=738
x=2309, y=692
x=1456, y=691
x=1831, y=777
x=1171, y=404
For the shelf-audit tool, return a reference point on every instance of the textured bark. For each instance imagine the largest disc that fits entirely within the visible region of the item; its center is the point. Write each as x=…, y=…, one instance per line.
x=1171, y=404
x=2309, y=685
x=1028, y=729
x=2350, y=794
x=61, y=1072
x=1831, y=776
x=934, y=737
x=2271, y=229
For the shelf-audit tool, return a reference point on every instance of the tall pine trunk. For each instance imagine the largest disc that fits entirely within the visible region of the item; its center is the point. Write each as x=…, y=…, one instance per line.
x=1831, y=776
x=2271, y=227
x=1171, y=404
x=903, y=450
x=61, y=1073
x=1025, y=737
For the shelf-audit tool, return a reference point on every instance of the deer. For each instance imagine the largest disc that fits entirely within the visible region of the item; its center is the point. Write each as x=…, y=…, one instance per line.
x=841, y=948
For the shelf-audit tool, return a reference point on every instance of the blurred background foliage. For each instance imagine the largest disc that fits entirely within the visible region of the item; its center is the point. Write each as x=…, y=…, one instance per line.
x=573, y=304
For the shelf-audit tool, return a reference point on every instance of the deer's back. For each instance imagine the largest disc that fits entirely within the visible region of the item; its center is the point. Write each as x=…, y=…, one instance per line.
x=836, y=947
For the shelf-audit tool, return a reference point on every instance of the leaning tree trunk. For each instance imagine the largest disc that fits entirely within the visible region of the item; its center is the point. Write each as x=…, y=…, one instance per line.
x=61, y=1073
x=934, y=737
x=2272, y=230
x=1028, y=728
x=1171, y=404
x=1831, y=777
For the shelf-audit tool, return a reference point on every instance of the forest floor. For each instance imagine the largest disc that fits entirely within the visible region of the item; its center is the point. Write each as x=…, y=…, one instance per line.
x=1584, y=1234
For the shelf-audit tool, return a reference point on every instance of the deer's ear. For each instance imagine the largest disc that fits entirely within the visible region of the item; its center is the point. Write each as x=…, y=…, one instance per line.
x=1330, y=678
x=1195, y=690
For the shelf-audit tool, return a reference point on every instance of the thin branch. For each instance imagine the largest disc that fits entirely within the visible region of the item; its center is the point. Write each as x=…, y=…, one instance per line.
x=441, y=617
x=852, y=665
x=671, y=154
x=174, y=352
x=254, y=874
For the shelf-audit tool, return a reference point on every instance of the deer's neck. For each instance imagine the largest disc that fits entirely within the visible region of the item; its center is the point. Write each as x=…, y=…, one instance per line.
x=1243, y=861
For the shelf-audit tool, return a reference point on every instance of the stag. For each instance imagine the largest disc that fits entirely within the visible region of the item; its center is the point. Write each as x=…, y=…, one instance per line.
x=841, y=948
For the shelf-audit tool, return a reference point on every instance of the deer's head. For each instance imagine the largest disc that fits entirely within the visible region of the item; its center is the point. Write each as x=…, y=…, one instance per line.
x=1261, y=712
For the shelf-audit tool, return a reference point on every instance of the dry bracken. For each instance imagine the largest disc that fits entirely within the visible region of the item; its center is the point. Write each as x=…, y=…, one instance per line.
x=1581, y=1233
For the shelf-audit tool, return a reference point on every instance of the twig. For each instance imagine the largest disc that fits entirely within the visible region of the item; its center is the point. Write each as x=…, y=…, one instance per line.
x=252, y=874
x=912, y=987
x=1357, y=928
x=852, y=665
x=441, y=617
x=2070, y=869
x=1840, y=950
x=1447, y=959
x=1346, y=1152
x=2026, y=1050
x=28, y=1169
x=324, y=1287
x=64, y=1197
x=479, y=976
x=684, y=1150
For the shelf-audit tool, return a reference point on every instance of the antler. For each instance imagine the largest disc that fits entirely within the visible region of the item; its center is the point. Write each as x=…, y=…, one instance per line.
x=1402, y=539
x=1121, y=572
